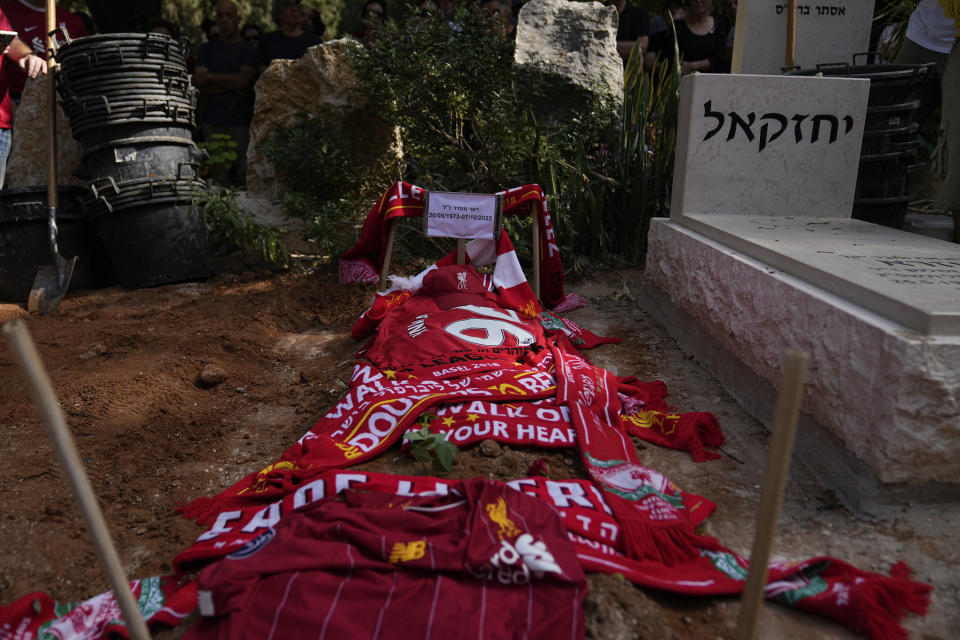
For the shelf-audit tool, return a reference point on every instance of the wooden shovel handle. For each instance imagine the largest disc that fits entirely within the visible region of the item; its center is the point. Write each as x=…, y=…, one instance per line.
x=51, y=107
x=791, y=56
x=43, y=395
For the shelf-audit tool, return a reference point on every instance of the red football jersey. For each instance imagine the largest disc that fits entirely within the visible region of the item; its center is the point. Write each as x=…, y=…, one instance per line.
x=485, y=561
x=30, y=23
x=419, y=330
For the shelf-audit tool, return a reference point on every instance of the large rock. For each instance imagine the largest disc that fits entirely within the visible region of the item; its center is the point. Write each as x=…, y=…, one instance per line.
x=27, y=165
x=323, y=77
x=575, y=45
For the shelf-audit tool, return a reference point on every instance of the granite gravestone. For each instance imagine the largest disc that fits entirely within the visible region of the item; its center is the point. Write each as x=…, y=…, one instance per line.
x=826, y=32
x=768, y=145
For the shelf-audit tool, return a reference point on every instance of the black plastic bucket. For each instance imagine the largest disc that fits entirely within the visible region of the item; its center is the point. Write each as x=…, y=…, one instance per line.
x=178, y=121
x=889, y=83
x=95, y=137
x=889, y=212
x=125, y=88
x=105, y=108
x=884, y=175
x=891, y=139
x=891, y=116
x=149, y=230
x=81, y=80
x=143, y=157
x=123, y=48
x=24, y=241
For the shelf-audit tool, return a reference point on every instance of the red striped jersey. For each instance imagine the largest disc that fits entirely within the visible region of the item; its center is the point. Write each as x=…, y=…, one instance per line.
x=484, y=561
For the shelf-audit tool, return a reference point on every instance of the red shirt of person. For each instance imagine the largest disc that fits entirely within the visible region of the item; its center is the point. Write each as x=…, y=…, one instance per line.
x=29, y=20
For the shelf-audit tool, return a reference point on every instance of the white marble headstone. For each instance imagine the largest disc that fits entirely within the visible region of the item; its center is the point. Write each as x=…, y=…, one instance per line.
x=768, y=145
x=826, y=32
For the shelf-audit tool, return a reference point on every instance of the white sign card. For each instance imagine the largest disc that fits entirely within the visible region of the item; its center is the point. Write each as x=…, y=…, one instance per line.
x=768, y=145
x=826, y=33
x=462, y=215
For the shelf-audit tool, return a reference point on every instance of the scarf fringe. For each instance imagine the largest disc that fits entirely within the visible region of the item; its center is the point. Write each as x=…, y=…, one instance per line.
x=703, y=433
x=357, y=271
x=652, y=394
x=570, y=302
x=668, y=544
x=203, y=510
x=887, y=600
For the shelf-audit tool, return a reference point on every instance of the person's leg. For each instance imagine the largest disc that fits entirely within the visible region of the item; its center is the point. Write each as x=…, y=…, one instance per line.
x=5, y=138
x=948, y=156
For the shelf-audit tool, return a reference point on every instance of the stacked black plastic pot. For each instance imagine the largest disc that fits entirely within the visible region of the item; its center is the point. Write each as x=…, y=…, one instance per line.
x=133, y=109
x=889, y=151
x=24, y=241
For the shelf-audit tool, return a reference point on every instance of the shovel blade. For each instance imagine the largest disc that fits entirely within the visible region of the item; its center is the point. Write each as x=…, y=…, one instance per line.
x=50, y=285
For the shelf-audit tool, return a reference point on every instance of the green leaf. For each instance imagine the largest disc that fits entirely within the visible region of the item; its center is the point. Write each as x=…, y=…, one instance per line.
x=445, y=451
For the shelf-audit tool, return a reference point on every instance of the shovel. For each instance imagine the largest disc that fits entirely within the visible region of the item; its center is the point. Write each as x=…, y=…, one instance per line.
x=52, y=281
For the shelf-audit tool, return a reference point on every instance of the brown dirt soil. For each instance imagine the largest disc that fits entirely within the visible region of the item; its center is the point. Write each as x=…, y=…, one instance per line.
x=124, y=364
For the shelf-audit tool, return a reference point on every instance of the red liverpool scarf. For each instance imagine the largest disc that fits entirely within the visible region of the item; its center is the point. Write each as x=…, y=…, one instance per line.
x=364, y=261
x=367, y=420
x=36, y=615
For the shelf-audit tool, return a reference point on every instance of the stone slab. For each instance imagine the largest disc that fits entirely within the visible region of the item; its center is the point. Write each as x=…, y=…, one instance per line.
x=886, y=401
x=768, y=145
x=826, y=33
x=908, y=278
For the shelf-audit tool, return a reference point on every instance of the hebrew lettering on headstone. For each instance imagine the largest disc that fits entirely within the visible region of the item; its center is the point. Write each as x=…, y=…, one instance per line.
x=825, y=33
x=752, y=144
x=735, y=120
x=764, y=129
x=709, y=113
x=745, y=125
x=816, y=127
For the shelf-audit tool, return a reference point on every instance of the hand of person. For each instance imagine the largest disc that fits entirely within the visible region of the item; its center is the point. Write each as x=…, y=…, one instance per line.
x=687, y=67
x=33, y=64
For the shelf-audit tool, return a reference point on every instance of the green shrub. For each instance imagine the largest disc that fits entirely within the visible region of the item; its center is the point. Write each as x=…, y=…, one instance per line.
x=465, y=119
x=231, y=229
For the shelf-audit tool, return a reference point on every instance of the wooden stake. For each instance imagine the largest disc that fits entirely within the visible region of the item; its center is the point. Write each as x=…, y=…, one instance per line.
x=535, y=246
x=461, y=251
x=791, y=56
x=44, y=397
x=388, y=254
x=789, y=396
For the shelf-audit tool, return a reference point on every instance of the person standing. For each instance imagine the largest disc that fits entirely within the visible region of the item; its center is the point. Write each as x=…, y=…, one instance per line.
x=633, y=28
x=225, y=72
x=290, y=41
x=31, y=65
x=929, y=37
x=29, y=20
x=701, y=40
x=948, y=198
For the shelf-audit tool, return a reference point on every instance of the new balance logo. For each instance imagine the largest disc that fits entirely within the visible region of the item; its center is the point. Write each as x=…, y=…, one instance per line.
x=407, y=551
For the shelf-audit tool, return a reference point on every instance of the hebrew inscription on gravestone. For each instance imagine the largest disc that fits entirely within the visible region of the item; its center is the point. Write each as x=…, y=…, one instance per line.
x=768, y=145
x=826, y=33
